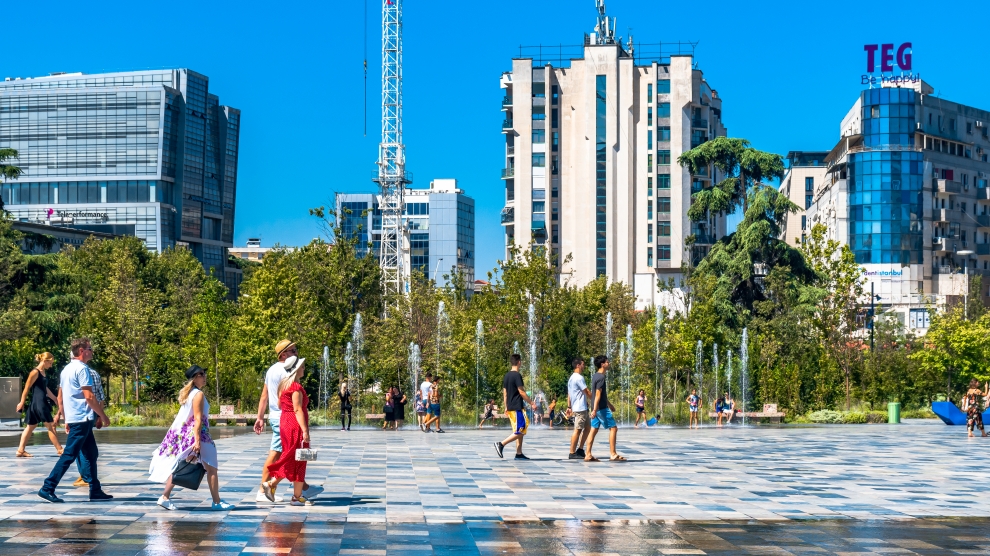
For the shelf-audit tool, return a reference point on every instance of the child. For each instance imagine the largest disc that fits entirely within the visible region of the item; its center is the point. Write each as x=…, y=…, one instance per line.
x=553, y=409
x=490, y=409
x=640, y=408
x=692, y=401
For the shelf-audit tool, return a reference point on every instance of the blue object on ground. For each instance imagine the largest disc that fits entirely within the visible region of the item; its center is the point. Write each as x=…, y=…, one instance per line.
x=651, y=422
x=952, y=415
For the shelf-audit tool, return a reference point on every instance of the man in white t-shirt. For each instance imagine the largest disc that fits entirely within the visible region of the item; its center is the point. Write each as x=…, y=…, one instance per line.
x=269, y=400
x=425, y=389
x=577, y=404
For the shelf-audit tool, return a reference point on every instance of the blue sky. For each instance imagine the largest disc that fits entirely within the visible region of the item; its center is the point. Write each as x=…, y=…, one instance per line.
x=787, y=73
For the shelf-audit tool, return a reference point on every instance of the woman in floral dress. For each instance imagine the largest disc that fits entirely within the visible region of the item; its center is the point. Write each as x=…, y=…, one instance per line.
x=294, y=432
x=183, y=443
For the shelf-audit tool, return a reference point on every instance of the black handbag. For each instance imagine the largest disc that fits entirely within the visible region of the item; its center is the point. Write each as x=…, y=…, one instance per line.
x=188, y=475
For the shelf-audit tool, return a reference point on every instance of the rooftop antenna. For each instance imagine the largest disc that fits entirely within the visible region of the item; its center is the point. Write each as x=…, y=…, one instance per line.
x=391, y=177
x=365, y=68
x=604, y=33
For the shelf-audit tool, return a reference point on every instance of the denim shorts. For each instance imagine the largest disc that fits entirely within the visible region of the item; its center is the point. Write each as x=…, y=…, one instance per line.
x=435, y=409
x=603, y=418
x=276, y=438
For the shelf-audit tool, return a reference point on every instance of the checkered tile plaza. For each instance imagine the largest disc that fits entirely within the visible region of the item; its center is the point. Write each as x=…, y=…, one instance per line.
x=855, y=489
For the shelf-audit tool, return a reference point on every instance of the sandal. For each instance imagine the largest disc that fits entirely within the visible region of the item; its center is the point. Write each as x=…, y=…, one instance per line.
x=617, y=458
x=23, y=454
x=592, y=459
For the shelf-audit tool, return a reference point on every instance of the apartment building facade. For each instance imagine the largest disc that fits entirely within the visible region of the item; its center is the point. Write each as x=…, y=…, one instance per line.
x=906, y=189
x=591, y=173
x=805, y=169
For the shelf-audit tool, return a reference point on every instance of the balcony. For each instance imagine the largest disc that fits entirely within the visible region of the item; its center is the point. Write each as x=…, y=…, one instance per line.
x=983, y=220
x=704, y=239
x=507, y=125
x=508, y=173
x=506, y=102
x=983, y=249
x=944, y=245
x=948, y=187
x=508, y=215
x=510, y=150
x=983, y=193
x=945, y=215
x=701, y=123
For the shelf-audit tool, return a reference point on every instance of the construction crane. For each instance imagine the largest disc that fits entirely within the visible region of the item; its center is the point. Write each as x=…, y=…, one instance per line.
x=392, y=178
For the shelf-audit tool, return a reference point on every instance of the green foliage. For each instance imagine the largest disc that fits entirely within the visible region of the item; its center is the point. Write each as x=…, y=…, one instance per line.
x=826, y=416
x=743, y=167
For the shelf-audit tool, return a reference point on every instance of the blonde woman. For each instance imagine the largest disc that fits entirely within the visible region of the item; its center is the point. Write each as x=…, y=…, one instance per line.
x=189, y=439
x=42, y=400
x=294, y=431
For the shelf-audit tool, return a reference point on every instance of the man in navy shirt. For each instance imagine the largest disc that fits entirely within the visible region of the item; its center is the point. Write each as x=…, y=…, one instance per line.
x=513, y=396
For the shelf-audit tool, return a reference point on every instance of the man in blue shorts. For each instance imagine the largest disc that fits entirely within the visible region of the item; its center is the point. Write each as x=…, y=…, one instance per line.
x=513, y=396
x=603, y=411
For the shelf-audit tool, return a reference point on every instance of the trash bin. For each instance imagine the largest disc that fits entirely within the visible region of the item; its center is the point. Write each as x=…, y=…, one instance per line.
x=894, y=412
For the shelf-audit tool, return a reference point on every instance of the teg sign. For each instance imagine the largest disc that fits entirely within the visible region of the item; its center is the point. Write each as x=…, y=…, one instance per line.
x=889, y=59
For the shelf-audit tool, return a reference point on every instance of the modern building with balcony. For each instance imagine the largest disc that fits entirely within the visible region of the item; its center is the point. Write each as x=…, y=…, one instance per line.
x=805, y=169
x=592, y=136
x=440, y=225
x=906, y=189
x=151, y=154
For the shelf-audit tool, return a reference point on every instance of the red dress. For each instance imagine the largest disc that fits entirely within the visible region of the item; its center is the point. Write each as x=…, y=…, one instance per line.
x=292, y=437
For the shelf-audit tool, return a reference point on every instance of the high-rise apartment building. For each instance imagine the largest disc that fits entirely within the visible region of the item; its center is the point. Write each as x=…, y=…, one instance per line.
x=440, y=224
x=906, y=189
x=151, y=154
x=804, y=171
x=592, y=140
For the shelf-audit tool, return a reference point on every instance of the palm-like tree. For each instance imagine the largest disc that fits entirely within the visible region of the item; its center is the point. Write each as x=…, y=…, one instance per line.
x=8, y=171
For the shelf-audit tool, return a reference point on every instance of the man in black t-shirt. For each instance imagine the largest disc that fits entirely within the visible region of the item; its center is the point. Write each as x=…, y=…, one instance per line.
x=602, y=409
x=513, y=396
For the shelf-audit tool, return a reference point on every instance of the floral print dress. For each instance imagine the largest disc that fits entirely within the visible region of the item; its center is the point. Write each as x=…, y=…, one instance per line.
x=178, y=442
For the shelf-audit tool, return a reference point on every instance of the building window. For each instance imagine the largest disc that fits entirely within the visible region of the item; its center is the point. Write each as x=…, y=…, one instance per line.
x=539, y=136
x=555, y=165
x=539, y=90
x=649, y=210
x=649, y=116
x=601, y=92
x=649, y=257
x=663, y=157
x=663, y=110
x=807, y=201
x=649, y=93
x=539, y=112
x=663, y=228
x=555, y=141
x=649, y=139
x=804, y=223
x=663, y=204
x=510, y=190
x=539, y=206
x=649, y=233
x=952, y=124
x=539, y=160
x=663, y=181
x=649, y=186
x=663, y=86
x=663, y=133
x=539, y=194
x=554, y=119
x=969, y=128
x=809, y=184
x=555, y=94
x=663, y=252
x=649, y=163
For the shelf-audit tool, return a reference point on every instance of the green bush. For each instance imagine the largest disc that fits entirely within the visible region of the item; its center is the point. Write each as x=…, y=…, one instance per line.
x=876, y=416
x=825, y=416
x=128, y=420
x=854, y=418
x=921, y=413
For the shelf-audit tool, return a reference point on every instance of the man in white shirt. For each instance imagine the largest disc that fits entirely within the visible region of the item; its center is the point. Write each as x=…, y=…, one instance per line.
x=425, y=389
x=577, y=404
x=82, y=411
x=269, y=400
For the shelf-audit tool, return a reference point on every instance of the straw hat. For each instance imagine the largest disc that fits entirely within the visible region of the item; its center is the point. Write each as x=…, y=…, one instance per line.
x=282, y=346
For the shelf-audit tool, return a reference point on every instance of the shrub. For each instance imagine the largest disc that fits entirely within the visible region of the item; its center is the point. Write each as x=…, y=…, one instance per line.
x=921, y=413
x=876, y=417
x=127, y=420
x=855, y=418
x=825, y=416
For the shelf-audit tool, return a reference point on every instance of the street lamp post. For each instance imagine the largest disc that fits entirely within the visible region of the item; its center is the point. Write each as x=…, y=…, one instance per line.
x=435, y=269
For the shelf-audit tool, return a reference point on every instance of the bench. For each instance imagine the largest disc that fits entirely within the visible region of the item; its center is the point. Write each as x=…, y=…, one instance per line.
x=240, y=419
x=374, y=416
x=769, y=412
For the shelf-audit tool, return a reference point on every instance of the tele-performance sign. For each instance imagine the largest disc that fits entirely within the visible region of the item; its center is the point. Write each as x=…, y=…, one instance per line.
x=890, y=59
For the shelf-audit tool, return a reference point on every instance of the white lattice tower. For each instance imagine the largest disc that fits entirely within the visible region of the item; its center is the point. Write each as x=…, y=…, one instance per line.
x=391, y=177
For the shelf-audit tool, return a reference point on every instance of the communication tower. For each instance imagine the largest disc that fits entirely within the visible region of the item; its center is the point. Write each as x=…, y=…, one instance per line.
x=392, y=178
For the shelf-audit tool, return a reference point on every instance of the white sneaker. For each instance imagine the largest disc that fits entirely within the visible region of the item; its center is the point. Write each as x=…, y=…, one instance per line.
x=312, y=492
x=221, y=506
x=262, y=498
x=165, y=503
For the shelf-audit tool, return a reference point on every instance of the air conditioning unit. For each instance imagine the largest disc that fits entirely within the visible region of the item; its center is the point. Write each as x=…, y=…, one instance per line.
x=979, y=124
x=918, y=125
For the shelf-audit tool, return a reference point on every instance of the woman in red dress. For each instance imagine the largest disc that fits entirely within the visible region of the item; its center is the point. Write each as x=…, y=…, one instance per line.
x=294, y=432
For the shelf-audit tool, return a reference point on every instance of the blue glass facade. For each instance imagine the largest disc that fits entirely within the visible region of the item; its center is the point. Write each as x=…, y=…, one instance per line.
x=148, y=138
x=600, y=175
x=885, y=181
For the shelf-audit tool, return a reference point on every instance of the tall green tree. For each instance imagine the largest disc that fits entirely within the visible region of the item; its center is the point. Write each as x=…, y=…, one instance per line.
x=744, y=169
x=8, y=171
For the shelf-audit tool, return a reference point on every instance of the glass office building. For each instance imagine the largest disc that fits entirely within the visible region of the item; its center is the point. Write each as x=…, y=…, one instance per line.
x=151, y=154
x=885, y=181
x=440, y=222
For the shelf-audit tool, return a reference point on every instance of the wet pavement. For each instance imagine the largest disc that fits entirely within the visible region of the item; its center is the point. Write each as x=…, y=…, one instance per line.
x=867, y=489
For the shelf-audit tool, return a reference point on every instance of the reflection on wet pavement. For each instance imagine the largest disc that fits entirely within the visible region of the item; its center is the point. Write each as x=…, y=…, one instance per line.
x=130, y=435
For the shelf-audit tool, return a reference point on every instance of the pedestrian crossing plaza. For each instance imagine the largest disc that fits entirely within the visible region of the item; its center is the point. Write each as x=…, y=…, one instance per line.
x=836, y=489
